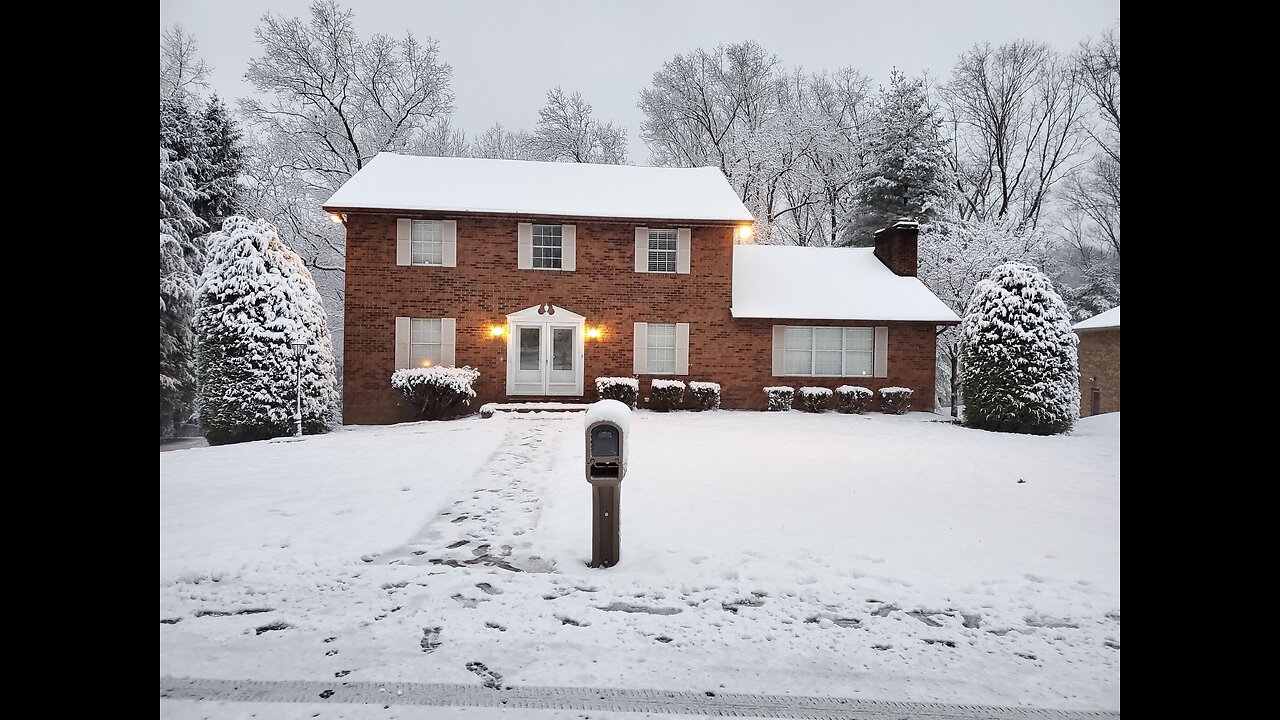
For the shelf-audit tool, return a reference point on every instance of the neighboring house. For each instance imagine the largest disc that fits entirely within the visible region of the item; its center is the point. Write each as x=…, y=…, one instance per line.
x=1099, y=363
x=544, y=276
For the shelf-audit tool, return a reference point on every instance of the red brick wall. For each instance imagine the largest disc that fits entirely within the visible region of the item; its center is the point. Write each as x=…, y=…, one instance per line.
x=485, y=287
x=1100, y=370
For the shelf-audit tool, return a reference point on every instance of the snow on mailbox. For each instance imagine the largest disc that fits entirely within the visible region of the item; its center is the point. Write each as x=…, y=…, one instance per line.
x=608, y=444
x=608, y=423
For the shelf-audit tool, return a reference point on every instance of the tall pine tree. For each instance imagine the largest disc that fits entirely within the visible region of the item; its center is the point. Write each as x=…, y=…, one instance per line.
x=255, y=300
x=220, y=163
x=180, y=260
x=906, y=174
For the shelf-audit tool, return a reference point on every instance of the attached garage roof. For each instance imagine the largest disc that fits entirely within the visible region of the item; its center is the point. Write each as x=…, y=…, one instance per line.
x=773, y=281
x=412, y=182
x=1108, y=319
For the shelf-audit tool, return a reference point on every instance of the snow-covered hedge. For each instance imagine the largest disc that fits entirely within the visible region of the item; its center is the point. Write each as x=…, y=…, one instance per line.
x=706, y=395
x=1021, y=371
x=623, y=389
x=436, y=392
x=780, y=397
x=895, y=400
x=812, y=399
x=665, y=395
x=853, y=399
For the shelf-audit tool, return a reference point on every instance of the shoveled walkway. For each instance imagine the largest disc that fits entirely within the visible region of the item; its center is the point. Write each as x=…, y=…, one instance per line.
x=595, y=699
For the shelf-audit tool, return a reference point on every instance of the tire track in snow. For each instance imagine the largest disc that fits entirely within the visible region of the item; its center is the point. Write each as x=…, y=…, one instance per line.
x=598, y=699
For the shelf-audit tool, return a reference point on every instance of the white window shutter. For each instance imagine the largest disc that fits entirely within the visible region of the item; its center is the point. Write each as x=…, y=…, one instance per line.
x=682, y=348
x=449, y=242
x=524, y=251
x=779, y=349
x=640, y=346
x=404, y=242
x=684, y=239
x=568, y=247
x=402, y=343
x=448, y=340
x=642, y=249
x=881, y=366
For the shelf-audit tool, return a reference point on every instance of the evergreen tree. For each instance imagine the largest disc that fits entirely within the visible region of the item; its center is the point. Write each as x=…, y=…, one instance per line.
x=1021, y=373
x=220, y=163
x=906, y=174
x=255, y=299
x=179, y=260
x=1098, y=291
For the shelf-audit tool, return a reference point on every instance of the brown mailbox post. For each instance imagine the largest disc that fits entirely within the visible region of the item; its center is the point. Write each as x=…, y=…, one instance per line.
x=608, y=423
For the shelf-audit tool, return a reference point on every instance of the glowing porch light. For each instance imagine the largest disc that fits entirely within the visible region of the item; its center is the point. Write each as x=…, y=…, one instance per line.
x=335, y=218
x=497, y=331
x=744, y=232
x=594, y=333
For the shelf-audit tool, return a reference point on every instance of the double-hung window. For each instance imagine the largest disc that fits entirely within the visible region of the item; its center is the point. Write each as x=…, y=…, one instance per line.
x=662, y=250
x=662, y=348
x=548, y=247
x=832, y=351
x=427, y=243
x=425, y=341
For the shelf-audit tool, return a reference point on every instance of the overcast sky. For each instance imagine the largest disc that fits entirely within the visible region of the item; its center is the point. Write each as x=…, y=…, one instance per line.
x=506, y=54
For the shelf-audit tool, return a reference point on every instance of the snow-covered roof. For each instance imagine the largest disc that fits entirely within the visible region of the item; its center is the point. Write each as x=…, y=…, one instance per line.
x=774, y=281
x=413, y=182
x=1108, y=319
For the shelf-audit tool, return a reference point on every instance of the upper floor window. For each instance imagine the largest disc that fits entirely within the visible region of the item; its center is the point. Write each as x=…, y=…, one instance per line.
x=548, y=247
x=662, y=250
x=427, y=243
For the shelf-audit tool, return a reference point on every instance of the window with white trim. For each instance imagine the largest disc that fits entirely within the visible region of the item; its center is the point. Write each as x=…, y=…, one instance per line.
x=832, y=351
x=547, y=247
x=662, y=348
x=425, y=340
x=662, y=250
x=427, y=243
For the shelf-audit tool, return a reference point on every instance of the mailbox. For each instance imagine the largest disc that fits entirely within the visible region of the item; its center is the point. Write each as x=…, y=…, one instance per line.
x=608, y=425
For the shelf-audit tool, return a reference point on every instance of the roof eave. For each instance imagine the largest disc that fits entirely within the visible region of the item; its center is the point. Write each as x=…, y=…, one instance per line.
x=550, y=216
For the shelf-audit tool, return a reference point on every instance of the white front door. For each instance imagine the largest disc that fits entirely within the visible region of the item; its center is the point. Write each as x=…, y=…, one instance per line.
x=545, y=354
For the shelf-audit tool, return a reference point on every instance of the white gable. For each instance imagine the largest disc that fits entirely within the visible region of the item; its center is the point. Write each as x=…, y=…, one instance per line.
x=412, y=182
x=1108, y=319
x=540, y=311
x=774, y=281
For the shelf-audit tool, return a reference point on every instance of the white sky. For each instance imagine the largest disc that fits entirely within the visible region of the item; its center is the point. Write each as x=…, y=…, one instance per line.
x=506, y=54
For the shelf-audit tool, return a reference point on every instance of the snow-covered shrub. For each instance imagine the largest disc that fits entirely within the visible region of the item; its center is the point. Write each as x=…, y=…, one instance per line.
x=853, y=399
x=435, y=392
x=665, y=395
x=1021, y=372
x=623, y=389
x=895, y=400
x=813, y=399
x=780, y=397
x=706, y=395
x=256, y=298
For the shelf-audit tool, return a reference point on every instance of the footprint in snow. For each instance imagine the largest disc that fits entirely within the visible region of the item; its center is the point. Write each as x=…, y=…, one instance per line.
x=488, y=589
x=431, y=639
x=492, y=680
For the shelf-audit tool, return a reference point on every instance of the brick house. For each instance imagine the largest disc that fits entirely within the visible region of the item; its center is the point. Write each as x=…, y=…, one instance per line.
x=1099, y=363
x=544, y=276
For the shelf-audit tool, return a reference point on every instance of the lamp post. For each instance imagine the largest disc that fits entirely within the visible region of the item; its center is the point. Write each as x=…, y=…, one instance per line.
x=298, y=348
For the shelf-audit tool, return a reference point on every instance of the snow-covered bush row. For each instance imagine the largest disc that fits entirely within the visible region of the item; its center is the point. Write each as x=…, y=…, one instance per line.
x=780, y=397
x=706, y=395
x=812, y=399
x=435, y=392
x=665, y=395
x=895, y=400
x=1021, y=371
x=853, y=399
x=622, y=389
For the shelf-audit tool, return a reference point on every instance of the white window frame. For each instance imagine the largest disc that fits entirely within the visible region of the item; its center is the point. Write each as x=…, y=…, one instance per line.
x=844, y=351
x=653, y=252
x=558, y=246
x=429, y=247
x=419, y=352
x=650, y=347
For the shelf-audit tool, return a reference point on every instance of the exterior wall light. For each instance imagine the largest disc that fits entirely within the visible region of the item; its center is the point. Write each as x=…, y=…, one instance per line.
x=338, y=218
x=497, y=331
x=594, y=333
x=744, y=232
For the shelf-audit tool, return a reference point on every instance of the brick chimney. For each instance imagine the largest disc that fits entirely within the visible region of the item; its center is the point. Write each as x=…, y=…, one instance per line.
x=896, y=246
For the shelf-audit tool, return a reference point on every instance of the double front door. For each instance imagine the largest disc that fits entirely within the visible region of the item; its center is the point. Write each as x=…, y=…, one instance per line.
x=544, y=356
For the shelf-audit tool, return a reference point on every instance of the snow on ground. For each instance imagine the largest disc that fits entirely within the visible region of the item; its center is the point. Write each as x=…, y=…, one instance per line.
x=876, y=556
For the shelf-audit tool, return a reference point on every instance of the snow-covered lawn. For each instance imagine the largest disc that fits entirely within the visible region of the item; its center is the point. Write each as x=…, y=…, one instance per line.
x=889, y=557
